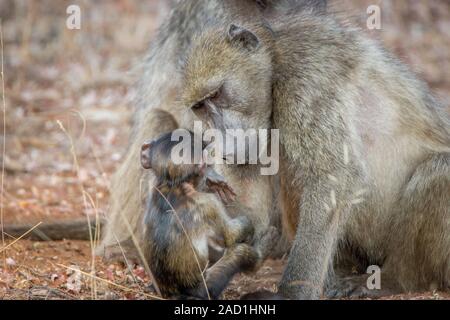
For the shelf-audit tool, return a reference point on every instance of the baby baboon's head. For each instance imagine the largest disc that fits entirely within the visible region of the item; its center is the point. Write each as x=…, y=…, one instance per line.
x=172, y=159
x=228, y=79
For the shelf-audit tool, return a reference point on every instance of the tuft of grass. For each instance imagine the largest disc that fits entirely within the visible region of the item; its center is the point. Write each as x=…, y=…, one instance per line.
x=93, y=239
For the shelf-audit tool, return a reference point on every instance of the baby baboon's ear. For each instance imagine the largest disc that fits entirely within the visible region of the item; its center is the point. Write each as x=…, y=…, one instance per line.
x=243, y=37
x=146, y=158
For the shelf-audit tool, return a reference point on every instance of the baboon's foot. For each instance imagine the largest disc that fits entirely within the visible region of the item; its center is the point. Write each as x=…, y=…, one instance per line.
x=354, y=287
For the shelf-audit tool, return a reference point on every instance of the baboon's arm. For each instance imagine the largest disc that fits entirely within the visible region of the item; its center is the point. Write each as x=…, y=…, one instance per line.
x=322, y=212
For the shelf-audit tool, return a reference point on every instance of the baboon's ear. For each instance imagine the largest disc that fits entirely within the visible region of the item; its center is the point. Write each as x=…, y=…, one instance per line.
x=243, y=37
x=146, y=159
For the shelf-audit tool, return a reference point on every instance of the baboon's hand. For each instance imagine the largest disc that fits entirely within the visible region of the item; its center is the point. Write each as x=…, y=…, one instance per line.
x=189, y=189
x=217, y=184
x=224, y=191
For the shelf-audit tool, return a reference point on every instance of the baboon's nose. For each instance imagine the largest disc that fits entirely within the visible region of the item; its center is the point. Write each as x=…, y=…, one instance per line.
x=145, y=155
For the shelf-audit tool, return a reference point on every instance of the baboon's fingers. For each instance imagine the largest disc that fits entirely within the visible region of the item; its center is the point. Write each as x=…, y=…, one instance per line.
x=215, y=182
x=222, y=195
x=224, y=190
x=231, y=196
x=189, y=189
x=229, y=190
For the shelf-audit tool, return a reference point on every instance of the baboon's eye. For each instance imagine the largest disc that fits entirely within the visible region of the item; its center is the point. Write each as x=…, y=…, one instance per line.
x=215, y=95
x=262, y=4
x=199, y=105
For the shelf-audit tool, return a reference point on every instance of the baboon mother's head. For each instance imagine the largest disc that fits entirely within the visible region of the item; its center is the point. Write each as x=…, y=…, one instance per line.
x=228, y=79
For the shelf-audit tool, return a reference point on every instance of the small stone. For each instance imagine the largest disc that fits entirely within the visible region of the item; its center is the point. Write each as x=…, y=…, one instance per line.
x=10, y=262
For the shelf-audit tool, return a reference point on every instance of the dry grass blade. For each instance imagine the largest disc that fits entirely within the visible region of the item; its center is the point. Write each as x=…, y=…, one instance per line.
x=19, y=238
x=127, y=263
x=84, y=195
x=94, y=238
x=141, y=253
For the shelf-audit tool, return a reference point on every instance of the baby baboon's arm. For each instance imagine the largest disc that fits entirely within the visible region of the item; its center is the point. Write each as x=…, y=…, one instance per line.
x=238, y=258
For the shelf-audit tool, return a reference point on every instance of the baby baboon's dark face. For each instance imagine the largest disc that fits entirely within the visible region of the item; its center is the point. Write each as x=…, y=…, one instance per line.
x=158, y=155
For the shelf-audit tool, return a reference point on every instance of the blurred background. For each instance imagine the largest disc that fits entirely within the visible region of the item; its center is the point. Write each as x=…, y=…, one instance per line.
x=68, y=96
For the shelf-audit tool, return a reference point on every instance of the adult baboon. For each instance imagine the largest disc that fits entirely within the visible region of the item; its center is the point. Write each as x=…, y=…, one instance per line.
x=157, y=112
x=365, y=149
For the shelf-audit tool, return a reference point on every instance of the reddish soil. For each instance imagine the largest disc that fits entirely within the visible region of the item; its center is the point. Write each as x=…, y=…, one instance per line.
x=47, y=270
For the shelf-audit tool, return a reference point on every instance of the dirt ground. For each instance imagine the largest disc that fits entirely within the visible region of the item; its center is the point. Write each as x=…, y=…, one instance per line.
x=68, y=97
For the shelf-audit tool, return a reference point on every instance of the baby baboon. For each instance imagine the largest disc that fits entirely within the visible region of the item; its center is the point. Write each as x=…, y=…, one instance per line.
x=365, y=149
x=187, y=226
x=156, y=112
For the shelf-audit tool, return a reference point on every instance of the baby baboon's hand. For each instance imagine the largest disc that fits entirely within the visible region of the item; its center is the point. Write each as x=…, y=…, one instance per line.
x=217, y=184
x=189, y=189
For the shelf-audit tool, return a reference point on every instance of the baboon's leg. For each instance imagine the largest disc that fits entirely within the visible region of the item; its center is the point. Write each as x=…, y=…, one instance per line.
x=129, y=186
x=282, y=244
x=239, y=258
x=419, y=250
x=356, y=287
x=421, y=260
x=266, y=243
